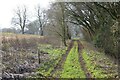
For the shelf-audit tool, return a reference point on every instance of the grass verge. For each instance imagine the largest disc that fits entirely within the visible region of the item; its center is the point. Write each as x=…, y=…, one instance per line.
x=99, y=65
x=55, y=55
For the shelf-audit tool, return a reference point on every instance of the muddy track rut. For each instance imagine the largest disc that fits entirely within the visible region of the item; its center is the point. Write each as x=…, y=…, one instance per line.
x=63, y=59
x=82, y=62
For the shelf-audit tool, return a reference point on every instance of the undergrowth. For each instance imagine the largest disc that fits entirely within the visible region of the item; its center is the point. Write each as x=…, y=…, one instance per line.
x=55, y=55
x=99, y=65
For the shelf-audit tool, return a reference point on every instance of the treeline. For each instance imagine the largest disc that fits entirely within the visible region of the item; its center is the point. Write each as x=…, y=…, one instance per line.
x=10, y=30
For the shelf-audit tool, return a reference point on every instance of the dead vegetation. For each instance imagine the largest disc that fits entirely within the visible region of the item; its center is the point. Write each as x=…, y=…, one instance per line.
x=20, y=52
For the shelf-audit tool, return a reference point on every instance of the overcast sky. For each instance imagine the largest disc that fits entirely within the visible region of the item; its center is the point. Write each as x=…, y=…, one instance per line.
x=7, y=9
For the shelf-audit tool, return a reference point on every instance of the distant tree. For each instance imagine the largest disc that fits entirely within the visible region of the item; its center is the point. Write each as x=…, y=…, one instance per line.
x=20, y=19
x=33, y=27
x=10, y=30
x=41, y=17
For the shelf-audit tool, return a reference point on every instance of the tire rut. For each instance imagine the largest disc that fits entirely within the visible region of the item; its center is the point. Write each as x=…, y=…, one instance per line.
x=82, y=62
x=63, y=59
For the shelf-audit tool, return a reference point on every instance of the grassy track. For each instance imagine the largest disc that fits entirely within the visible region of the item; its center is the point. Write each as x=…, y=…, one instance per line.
x=76, y=62
x=72, y=68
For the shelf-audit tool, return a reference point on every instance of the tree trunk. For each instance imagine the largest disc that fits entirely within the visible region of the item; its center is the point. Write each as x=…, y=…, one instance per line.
x=23, y=31
x=118, y=46
x=68, y=33
x=64, y=42
x=41, y=32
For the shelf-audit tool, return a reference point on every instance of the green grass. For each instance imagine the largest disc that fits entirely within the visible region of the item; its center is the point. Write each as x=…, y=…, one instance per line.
x=55, y=55
x=91, y=66
x=53, y=52
x=71, y=68
x=93, y=62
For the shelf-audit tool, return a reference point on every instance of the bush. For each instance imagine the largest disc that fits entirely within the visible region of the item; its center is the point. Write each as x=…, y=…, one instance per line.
x=107, y=40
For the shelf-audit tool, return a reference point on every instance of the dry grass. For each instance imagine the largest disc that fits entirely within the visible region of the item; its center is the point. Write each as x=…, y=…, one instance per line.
x=26, y=41
x=9, y=36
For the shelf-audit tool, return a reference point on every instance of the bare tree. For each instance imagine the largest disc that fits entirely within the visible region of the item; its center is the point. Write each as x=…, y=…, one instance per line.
x=42, y=20
x=20, y=18
x=57, y=19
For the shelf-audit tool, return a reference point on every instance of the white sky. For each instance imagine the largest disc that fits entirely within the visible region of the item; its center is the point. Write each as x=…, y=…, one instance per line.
x=7, y=8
